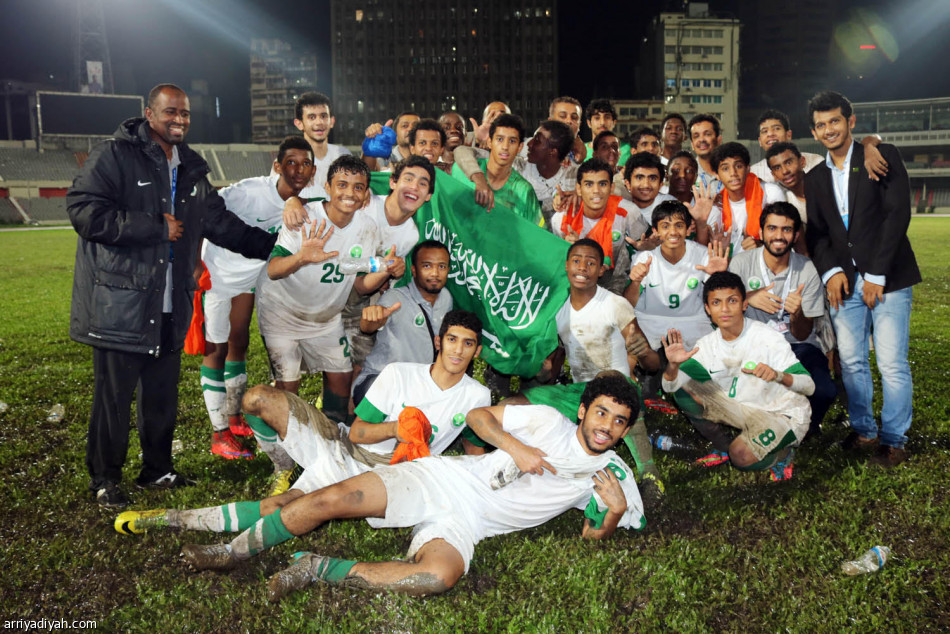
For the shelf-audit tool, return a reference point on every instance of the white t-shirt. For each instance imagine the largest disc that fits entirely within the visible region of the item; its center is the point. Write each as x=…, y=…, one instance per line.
x=671, y=295
x=722, y=361
x=404, y=236
x=592, y=336
x=308, y=302
x=317, y=186
x=256, y=202
x=410, y=384
x=771, y=193
x=761, y=169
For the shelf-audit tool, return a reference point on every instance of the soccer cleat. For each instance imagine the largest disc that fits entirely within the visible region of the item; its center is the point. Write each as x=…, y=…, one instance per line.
x=210, y=557
x=295, y=577
x=111, y=496
x=661, y=406
x=713, y=459
x=138, y=522
x=281, y=482
x=782, y=470
x=239, y=426
x=224, y=444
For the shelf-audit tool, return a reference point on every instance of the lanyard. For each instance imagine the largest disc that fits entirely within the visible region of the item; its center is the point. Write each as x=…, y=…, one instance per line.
x=171, y=249
x=786, y=288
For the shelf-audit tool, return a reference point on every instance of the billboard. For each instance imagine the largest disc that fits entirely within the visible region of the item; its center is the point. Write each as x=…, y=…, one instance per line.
x=76, y=114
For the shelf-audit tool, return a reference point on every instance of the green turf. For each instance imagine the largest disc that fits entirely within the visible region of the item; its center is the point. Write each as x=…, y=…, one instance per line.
x=726, y=551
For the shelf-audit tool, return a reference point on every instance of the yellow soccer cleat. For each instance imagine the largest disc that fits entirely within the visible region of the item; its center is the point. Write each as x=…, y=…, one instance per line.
x=138, y=522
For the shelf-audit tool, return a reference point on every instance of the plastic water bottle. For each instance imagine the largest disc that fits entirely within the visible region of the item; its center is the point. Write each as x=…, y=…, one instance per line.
x=350, y=265
x=3, y=407
x=56, y=413
x=381, y=145
x=871, y=561
x=668, y=443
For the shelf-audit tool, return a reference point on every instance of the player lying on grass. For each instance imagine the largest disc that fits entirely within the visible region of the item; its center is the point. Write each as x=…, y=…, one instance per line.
x=732, y=377
x=331, y=452
x=545, y=465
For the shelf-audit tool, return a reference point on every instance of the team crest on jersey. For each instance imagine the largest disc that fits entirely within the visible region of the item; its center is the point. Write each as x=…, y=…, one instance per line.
x=615, y=236
x=420, y=320
x=692, y=283
x=356, y=251
x=754, y=283
x=618, y=471
x=459, y=419
x=750, y=365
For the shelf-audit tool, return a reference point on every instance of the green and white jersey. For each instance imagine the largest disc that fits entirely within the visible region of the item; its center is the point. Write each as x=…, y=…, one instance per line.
x=517, y=193
x=309, y=301
x=402, y=385
x=592, y=336
x=256, y=202
x=671, y=295
x=404, y=236
x=722, y=362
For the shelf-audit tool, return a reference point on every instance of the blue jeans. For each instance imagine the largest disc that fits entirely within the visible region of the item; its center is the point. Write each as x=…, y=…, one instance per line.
x=890, y=322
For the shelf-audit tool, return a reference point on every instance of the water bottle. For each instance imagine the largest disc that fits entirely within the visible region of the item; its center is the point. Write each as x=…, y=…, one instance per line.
x=3, y=407
x=668, y=443
x=350, y=265
x=381, y=145
x=56, y=413
x=871, y=561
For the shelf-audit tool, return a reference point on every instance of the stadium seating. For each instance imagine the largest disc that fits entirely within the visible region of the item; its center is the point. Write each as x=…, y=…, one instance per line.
x=29, y=165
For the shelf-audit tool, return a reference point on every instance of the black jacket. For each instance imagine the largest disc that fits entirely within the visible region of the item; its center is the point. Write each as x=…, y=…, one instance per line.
x=878, y=217
x=116, y=205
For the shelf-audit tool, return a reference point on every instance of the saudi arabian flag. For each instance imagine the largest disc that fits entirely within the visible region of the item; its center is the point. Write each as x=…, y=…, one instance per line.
x=506, y=270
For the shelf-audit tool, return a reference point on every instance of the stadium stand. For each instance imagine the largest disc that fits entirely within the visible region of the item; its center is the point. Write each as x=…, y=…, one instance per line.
x=30, y=165
x=240, y=164
x=47, y=210
x=8, y=213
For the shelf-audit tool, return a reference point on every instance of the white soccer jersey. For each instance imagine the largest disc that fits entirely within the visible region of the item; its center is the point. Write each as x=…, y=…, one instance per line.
x=317, y=186
x=256, y=202
x=589, y=224
x=646, y=213
x=671, y=295
x=771, y=193
x=722, y=362
x=592, y=336
x=404, y=236
x=306, y=303
x=409, y=384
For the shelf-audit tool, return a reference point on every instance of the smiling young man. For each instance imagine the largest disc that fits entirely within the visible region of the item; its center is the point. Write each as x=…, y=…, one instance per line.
x=643, y=178
x=857, y=236
x=601, y=116
x=743, y=375
x=705, y=135
x=312, y=117
x=545, y=465
x=673, y=133
x=427, y=139
x=453, y=125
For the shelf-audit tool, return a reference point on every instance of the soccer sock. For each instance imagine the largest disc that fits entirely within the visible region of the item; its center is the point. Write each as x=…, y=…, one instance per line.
x=265, y=533
x=212, y=386
x=638, y=442
x=335, y=407
x=331, y=569
x=228, y=518
x=235, y=382
x=268, y=441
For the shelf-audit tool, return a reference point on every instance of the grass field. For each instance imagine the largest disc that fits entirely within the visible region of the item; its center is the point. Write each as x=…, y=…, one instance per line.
x=726, y=551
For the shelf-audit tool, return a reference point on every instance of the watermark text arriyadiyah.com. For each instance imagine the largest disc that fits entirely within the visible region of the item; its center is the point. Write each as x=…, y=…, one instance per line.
x=48, y=624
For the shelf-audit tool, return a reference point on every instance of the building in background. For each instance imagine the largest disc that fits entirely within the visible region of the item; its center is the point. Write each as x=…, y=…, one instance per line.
x=278, y=77
x=438, y=55
x=690, y=60
x=633, y=114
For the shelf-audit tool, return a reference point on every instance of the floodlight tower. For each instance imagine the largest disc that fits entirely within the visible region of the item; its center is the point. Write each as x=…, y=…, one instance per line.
x=91, y=44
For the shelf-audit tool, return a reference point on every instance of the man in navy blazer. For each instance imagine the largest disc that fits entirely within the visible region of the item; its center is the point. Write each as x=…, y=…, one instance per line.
x=857, y=236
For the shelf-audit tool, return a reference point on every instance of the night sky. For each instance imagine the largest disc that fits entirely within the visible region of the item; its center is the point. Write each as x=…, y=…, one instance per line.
x=171, y=40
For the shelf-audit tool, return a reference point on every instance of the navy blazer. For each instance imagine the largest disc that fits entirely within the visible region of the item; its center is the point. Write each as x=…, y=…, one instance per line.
x=879, y=214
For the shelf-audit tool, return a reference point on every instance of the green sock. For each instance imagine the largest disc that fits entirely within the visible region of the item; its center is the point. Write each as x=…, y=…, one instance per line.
x=262, y=431
x=265, y=533
x=234, y=369
x=239, y=516
x=335, y=406
x=332, y=570
x=267, y=440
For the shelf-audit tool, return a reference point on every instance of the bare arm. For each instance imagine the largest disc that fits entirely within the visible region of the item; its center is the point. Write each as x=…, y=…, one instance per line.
x=365, y=433
x=310, y=252
x=486, y=423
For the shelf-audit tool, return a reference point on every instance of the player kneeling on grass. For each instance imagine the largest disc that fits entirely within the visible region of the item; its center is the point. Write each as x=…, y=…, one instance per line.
x=331, y=452
x=731, y=377
x=545, y=465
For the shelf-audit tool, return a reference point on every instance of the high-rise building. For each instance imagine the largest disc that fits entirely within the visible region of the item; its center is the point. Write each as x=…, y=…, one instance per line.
x=691, y=61
x=278, y=77
x=633, y=114
x=431, y=56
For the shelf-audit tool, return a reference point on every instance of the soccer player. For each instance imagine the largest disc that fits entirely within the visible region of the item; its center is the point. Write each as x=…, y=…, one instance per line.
x=408, y=332
x=775, y=128
x=330, y=452
x=606, y=147
x=545, y=466
x=228, y=305
x=705, y=135
x=498, y=180
x=743, y=375
x=300, y=302
x=681, y=174
x=312, y=117
x=785, y=292
x=642, y=177
x=601, y=116
x=673, y=131
x=645, y=140
x=426, y=139
x=454, y=127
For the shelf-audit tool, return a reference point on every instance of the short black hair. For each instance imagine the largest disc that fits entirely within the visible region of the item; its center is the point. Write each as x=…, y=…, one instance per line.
x=452, y=112
x=310, y=99
x=349, y=164
x=731, y=150
x=720, y=280
x=293, y=143
x=601, y=135
x=426, y=124
x=399, y=116
x=642, y=132
x=586, y=242
x=562, y=137
x=784, y=209
x=717, y=127
x=782, y=146
x=463, y=318
x=828, y=100
x=600, y=105
x=564, y=99
x=683, y=154
x=672, y=115
x=778, y=115
x=646, y=160
x=669, y=209
x=512, y=121
x=426, y=244
x=594, y=165
x=415, y=161
x=157, y=90
x=615, y=386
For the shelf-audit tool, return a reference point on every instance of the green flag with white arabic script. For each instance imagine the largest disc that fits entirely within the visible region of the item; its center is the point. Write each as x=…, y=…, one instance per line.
x=506, y=270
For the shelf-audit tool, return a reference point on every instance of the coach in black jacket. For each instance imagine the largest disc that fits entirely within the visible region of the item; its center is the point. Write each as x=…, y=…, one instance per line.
x=141, y=205
x=857, y=235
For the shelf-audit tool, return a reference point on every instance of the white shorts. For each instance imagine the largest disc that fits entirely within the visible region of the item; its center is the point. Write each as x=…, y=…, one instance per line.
x=217, y=312
x=329, y=352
